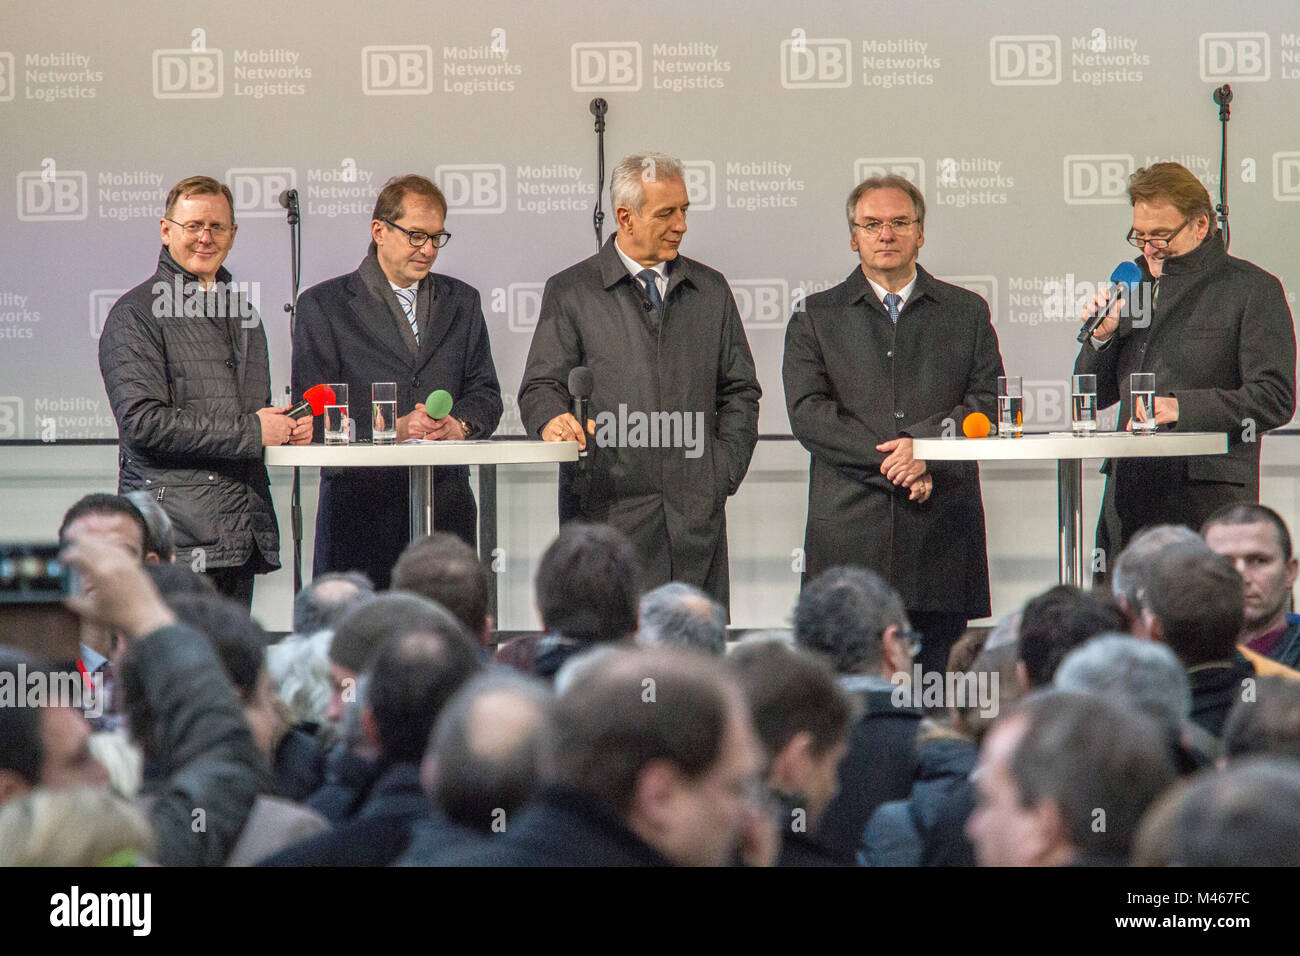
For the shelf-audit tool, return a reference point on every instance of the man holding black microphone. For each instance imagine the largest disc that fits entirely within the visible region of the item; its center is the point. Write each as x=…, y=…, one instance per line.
x=393, y=320
x=1216, y=332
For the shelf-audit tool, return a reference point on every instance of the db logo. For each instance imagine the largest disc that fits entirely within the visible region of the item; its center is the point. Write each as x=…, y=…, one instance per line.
x=101, y=301
x=1025, y=60
x=51, y=196
x=257, y=189
x=1286, y=177
x=473, y=187
x=911, y=168
x=607, y=67
x=187, y=74
x=396, y=70
x=986, y=287
x=763, y=303
x=701, y=178
x=1097, y=180
x=11, y=417
x=6, y=77
x=815, y=64
x=1239, y=57
x=1047, y=404
x=523, y=305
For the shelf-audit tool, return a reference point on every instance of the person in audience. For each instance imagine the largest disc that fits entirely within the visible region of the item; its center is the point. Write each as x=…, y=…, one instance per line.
x=328, y=599
x=587, y=588
x=192, y=727
x=1192, y=601
x=294, y=760
x=851, y=617
x=73, y=826
x=802, y=718
x=1259, y=543
x=1267, y=724
x=1054, y=623
x=492, y=750
x=418, y=668
x=656, y=761
x=679, y=615
x=929, y=827
x=160, y=538
x=443, y=568
x=1063, y=780
x=1148, y=677
x=1245, y=815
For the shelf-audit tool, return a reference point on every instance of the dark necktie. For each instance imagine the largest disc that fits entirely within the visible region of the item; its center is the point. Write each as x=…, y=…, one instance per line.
x=647, y=277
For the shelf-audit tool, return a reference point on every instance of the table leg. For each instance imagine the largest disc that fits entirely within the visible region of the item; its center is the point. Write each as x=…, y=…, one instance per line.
x=421, y=500
x=1069, y=508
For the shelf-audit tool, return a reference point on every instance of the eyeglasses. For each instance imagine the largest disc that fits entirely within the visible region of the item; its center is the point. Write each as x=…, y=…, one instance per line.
x=872, y=227
x=418, y=239
x=911, y=640
x=1156, y=242
x=193, y=230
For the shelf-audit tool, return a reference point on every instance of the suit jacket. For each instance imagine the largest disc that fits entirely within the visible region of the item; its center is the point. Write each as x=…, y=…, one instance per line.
x=1222, y=342
x=352, y=329
x=852, y=381
x=693, y=363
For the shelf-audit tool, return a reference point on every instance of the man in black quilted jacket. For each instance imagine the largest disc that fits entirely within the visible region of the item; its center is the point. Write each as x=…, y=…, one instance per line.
x=185, y=365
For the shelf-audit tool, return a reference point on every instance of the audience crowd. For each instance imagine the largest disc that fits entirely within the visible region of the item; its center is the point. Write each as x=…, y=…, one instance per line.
x=1153, y=722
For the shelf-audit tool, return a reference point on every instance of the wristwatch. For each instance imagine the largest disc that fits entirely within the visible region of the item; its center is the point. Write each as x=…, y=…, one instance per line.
x=469, y=428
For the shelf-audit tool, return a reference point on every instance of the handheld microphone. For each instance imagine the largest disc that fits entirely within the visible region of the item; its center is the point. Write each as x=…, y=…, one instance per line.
x=581, y=384
x=976, y=425
x=1122, y=280
x=438, y=404
x=313, y=402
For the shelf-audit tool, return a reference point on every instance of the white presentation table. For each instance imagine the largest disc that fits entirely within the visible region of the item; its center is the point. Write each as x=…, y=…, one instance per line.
x=421, y=459
x=1069, y=452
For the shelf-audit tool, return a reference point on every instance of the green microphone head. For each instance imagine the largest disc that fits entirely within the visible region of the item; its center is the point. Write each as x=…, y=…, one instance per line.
x=438, y=404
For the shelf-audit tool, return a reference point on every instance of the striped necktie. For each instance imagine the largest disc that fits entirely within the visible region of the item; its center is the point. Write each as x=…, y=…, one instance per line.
x=407, y=298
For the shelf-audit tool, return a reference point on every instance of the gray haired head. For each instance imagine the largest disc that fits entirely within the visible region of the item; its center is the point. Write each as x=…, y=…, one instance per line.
x=1129, y=575
x=679, y=615
x=627, y=182
x=1141, y=674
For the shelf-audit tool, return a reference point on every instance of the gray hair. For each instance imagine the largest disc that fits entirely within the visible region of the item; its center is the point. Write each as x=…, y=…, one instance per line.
x=888, y=181
x=627, y=182
x=327, y=600
x=1136, y=673
x=299, y=667
x=1130, y=576
x=679, y=615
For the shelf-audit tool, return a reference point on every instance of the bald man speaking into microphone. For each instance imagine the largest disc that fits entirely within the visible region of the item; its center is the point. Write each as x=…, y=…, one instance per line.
x=394, y=320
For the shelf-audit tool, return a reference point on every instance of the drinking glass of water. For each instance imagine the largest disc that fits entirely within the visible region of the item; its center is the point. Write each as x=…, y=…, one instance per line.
x=1011, y=399
x=336, y=416
x=1083, y=389
x=1142, y=387
x=383, y=413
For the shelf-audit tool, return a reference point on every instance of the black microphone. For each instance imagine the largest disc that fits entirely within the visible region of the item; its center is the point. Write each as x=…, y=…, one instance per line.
x=1122, y=280
x=289, y=199
x=1223, y=95
x=581, y=383
x=598, y=109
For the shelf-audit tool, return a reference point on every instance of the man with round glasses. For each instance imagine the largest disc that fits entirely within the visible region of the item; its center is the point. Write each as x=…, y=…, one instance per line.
x=1218, y=335
x=393, y=320
x=185, y=365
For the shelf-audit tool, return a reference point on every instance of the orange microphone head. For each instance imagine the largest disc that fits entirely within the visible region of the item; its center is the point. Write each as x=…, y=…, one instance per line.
x=976, y=425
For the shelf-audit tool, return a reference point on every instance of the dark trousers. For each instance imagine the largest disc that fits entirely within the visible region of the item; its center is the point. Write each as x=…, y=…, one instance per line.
x=236, y=583
x=363, y=519
x=939, y=632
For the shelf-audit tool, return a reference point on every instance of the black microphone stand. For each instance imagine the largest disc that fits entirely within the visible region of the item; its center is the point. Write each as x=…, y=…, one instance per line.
x=598, y=109
x=290, y=201
x=1222, y=97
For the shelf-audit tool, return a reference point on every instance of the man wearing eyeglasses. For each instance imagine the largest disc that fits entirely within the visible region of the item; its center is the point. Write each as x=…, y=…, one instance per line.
x=185, y=365
x=393, y=320
x=1220, y=340
x=889, y=355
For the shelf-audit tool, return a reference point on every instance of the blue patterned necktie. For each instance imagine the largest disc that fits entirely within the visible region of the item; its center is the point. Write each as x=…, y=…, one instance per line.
x=648, y=277
x=407, y=298
x=893, y=302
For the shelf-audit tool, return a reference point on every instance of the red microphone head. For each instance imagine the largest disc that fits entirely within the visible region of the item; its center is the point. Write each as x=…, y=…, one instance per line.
x=318, y=396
